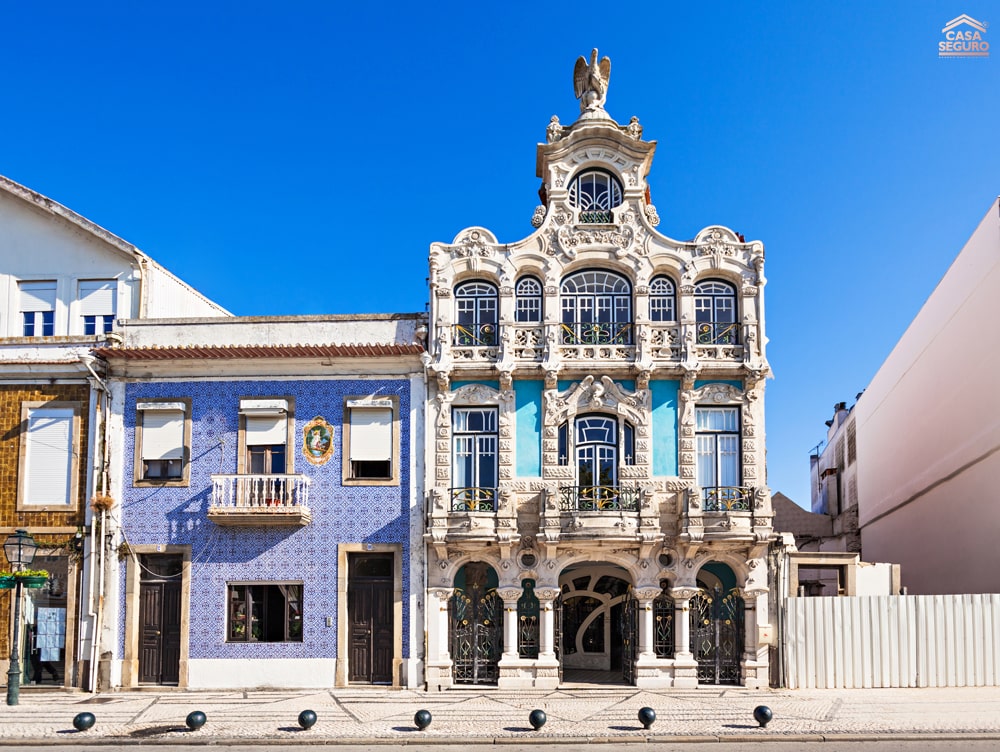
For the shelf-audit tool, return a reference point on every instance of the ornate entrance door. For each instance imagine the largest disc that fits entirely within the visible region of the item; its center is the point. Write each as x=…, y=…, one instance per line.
x=476, y=612
x=630, y=636
x=717, y=635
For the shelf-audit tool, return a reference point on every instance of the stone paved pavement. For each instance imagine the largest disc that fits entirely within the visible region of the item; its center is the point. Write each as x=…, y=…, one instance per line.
x=374, y=715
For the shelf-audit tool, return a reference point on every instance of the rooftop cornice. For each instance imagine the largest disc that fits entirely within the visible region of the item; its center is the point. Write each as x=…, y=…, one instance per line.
x=235, y=352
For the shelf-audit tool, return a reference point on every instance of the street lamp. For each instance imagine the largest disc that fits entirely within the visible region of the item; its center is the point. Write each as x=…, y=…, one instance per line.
x=20, y=549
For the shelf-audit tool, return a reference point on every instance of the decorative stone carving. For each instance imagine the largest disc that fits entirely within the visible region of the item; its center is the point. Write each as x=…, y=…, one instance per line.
x=651, y=216
x=538, y=217
x=590, y=81
x=554, y=131
x=633, y=129
x=570, y=239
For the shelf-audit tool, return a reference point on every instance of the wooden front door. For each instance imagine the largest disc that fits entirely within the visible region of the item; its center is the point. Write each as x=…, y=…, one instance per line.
x=160, y=619
x=370, y=618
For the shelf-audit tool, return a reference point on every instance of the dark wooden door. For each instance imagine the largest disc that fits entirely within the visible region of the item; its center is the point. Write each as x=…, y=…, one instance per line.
x=160, y=620
x=370, y=618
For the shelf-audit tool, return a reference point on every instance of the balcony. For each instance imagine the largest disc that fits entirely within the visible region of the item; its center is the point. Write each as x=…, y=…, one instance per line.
x=587, y=340
x=598, y=499
x=727, y=499
x=718, y=340
x=245, y=500
x=473, y=499
x=475, y=342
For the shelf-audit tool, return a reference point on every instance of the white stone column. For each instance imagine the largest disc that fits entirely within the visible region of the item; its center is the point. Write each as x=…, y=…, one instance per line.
x=645, y=597
x=755, y=663
x=438, y=657
x=510, y=597
x=685, y=665
x=547, y=665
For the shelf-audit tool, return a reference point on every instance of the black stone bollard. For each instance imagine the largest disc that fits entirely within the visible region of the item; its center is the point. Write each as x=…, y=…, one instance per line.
x=422, y=719
x=195, y=720
x=307, y=719
x=763, y=715
x=646, y=717
x=84, y=721
x=537, y=719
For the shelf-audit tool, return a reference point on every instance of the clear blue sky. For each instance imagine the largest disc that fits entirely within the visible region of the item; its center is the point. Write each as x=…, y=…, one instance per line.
x=300, y=157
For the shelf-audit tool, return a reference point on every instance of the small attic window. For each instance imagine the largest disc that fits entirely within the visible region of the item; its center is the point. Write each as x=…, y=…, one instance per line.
x=595, y=193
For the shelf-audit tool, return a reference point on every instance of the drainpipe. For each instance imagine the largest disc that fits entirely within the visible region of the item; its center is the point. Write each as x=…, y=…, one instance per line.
x=96, y=614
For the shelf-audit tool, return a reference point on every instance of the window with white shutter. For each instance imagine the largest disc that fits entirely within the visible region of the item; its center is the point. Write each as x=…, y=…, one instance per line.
x=97, y=305
x=163, y=436
x=37, y=303
x=371, y=441
x=49, y=456
x=264, y=435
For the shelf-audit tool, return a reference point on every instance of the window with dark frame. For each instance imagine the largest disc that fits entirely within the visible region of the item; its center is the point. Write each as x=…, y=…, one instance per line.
x=264, y=612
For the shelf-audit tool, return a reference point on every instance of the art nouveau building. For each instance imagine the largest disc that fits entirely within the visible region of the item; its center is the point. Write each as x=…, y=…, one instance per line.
x=596, y=482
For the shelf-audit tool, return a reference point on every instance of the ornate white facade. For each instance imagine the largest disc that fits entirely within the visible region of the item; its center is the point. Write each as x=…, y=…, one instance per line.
x=596, y=465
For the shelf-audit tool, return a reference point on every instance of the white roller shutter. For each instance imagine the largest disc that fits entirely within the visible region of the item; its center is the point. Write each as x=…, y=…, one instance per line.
x=49, y=457
x=162, y=434
x=371, y=434
x=38, y=296
x=97, y=297
x=266, y=430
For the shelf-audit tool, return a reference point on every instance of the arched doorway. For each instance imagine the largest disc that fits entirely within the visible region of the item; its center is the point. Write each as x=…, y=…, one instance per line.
x=717, y=631
x=597, y=633
x=476, y=625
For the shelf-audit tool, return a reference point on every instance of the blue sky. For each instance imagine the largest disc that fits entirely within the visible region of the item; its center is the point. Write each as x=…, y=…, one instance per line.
x=300, y=157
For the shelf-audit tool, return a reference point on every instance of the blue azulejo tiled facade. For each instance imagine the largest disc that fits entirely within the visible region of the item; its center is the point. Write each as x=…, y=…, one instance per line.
x=236, y=547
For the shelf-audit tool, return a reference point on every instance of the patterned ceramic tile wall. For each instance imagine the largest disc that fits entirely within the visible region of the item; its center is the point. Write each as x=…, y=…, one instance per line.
x=340, y=514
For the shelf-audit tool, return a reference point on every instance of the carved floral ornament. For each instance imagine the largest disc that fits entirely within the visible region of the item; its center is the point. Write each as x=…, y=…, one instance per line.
x=596, y=394
x=474, y=242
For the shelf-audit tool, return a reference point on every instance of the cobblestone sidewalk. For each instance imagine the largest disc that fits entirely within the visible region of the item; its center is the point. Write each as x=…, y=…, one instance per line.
x=482, y=716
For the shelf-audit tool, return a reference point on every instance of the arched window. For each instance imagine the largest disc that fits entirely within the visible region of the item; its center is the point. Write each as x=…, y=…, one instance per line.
x=597, y=451
x=598, y=446
x=475, y=314
x=715, y=313
x=595, y=193
x=662, y=303
x=596, y=309
x=528, y=298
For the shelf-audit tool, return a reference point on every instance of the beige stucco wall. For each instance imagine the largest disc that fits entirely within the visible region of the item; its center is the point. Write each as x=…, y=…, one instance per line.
x=928, y=432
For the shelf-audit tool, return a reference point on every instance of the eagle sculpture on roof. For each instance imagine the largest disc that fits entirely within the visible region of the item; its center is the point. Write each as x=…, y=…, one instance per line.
x=590, y=81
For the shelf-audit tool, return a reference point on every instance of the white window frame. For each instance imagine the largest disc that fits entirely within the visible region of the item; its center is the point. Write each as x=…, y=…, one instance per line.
x=30, y=301
x=182, y=404
x=27, y=456
x=97, y=298
x=368, y=404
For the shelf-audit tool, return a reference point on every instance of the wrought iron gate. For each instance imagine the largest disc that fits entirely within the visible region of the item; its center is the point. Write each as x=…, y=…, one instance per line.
x=476, y=633
x=717, y=635
x=557, y=632
x=630, y=636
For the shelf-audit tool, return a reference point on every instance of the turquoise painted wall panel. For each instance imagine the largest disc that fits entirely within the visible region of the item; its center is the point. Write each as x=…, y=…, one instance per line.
x=492, y=384
x=664, y=398
x=704, y=382
x=528, y=444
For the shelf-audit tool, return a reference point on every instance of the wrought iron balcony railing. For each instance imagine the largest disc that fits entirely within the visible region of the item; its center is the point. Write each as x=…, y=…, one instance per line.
x=473, y=499
x=599, y=499
x=726, y=499
x=596, y=333
x=596, y=217
x=717, y=333
x=475, y=335
x=260, y=492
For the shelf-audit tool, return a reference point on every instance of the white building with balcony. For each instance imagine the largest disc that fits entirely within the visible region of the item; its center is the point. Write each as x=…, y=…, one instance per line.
x=596, y=464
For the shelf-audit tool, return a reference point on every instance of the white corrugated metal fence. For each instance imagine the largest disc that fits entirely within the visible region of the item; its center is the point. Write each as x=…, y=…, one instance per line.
x=892, y=641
